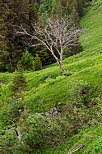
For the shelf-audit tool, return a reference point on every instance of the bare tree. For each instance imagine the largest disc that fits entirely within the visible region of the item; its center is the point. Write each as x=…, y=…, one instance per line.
x=55, y=36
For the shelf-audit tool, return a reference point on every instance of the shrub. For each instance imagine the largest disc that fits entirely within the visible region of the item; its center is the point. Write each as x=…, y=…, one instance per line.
x=37, y=63
x=79, y=92
x=39, y=129
x=10, y=143
x=8, y=139
x=34, y=130
x=19, y=83
x=10, y=113
x=26, y=62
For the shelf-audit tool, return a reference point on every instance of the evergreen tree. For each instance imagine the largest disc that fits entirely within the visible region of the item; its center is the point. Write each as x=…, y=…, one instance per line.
x=9, y=19
x=45, y=9
x=37, y=63
x=3, y=44
x=26, y=62
x=14, y=14
x=75, y=13
x=61, y=8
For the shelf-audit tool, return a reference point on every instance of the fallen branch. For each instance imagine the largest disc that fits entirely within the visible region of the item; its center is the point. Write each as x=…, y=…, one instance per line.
x=78, y=148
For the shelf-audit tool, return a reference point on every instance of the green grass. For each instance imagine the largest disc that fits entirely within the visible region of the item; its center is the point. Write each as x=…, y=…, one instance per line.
x=90, y=138
x=48, y=87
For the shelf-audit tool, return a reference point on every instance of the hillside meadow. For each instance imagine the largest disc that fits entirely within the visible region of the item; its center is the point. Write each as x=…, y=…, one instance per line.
x=80, y=91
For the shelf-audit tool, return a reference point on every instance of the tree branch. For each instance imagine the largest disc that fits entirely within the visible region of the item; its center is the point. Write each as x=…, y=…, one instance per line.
x=78, y=148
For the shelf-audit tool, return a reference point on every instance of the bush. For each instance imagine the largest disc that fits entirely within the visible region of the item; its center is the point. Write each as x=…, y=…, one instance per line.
x=79, y=92
x=39, y=129
x=10, y=113
x=26, y=62
x=8, y=140
x=10, y=143
x=34, y=130
x=19, y=83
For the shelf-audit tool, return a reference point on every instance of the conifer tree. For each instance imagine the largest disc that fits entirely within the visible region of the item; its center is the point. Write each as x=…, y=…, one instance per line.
x=26, y=62
x=37, y=63
x=61, y=8
x=75, y=13
x=9, y=19
x=14, y=14
x=3, y=44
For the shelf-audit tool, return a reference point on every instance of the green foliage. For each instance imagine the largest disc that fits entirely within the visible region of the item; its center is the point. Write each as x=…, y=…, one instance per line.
x=18, y=83
x=52, y=8
x=10, y=112
x=9, y=20
x=37, y=63
x=79, y=91
x=10, y=108
x=8, y=139
x=61, y=8
x=87, y=137
x=47, y=88
x=3, y=46
x=34, y=129
x=10, y=143
x=75, y=13
x=5, y=93
x=14, y=13
x=26, y=62
x=45, y=9
x=40, y=129
x=12, y=46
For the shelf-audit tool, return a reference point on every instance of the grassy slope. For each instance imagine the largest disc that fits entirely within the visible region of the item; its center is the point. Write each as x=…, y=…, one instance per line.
x=47, y=87
x=85, y=66
x=91, y=41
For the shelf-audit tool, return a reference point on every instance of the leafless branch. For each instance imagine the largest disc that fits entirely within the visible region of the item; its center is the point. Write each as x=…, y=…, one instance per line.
x=55, y=36
x=78, y=148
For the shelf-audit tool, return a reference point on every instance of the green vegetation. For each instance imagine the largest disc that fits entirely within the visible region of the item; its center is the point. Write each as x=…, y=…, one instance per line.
x=26, y=62
x=37, y=63
x=77, y=99
x=18, y=15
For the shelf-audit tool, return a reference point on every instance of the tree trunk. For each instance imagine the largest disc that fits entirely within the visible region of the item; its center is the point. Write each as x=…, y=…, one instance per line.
x=62, y=69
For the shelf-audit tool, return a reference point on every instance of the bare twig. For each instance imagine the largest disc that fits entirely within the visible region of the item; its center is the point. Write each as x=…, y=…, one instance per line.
x=78, y=148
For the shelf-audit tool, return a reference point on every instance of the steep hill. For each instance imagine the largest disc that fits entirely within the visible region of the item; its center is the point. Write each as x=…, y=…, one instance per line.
x=48, y=88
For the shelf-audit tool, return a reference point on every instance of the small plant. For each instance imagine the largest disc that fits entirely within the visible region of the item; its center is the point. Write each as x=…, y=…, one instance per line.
x=37, y=63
